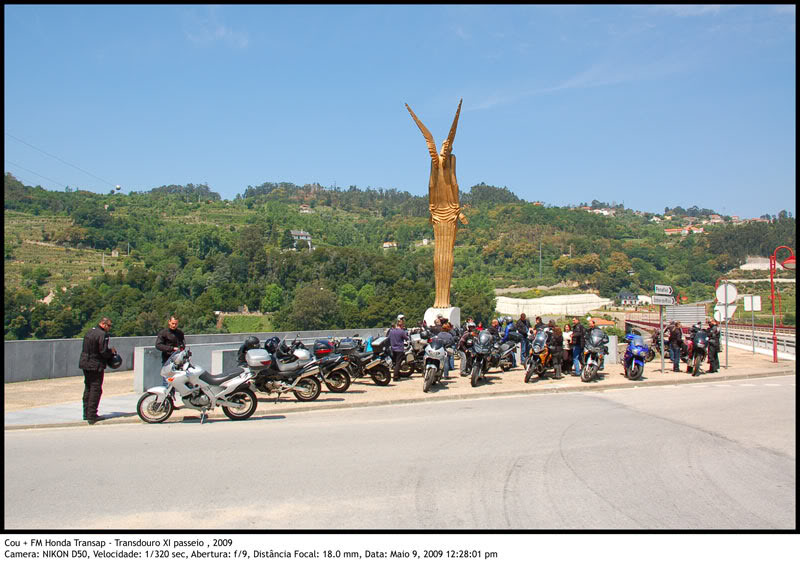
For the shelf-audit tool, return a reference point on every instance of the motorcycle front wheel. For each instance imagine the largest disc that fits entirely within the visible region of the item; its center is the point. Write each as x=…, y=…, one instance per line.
x=588, y=372
x=151, y=412
x=307, y=389
x=697, y=361
x=634, y=373
x=476, y=374
x=381, y=375
x=427, y=381
x=247, y=405
x=529, y=372
x=338, y=381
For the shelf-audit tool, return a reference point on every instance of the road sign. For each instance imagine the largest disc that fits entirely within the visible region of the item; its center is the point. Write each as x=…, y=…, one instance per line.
x=723, y=312
x=752, y=303
x=663, y=299
x=727, y=293
x=663, y=290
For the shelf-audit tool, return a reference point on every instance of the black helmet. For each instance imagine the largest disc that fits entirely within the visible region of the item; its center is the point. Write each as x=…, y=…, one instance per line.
x=271, y=344
x=115, y=361
x=251, y=342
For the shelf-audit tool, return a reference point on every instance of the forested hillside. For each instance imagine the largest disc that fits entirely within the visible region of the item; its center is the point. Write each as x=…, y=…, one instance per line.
x=185, y=250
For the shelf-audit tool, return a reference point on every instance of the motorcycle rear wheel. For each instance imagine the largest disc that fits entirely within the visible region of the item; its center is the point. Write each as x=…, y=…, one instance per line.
x=427, y=381
x=248, y=404
x=650, y=356
x=381, y=375
x=476, y=374
x=307, y=389
x=338, y=381
x=146, y=408
x=406, y=369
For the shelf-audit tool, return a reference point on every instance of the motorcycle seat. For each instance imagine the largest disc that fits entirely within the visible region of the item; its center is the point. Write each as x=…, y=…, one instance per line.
x=217, y=380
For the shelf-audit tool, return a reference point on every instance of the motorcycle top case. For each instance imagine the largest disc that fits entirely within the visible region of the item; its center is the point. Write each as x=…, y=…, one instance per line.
x=322, y=348
x=348, y=344
x=258, y=357
x=380, y=344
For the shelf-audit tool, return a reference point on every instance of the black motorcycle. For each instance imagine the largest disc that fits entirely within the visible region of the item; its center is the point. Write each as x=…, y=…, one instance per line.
x=360, y=363
x=698, y=351
x=481, y=352
x=415, y=352
x=274, y=376
x=333, y=373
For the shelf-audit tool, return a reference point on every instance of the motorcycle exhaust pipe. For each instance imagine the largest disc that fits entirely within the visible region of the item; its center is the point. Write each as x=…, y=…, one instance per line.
x=372, y=363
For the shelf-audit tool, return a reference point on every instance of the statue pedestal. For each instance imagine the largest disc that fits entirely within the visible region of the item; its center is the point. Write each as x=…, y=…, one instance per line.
x=453, y=314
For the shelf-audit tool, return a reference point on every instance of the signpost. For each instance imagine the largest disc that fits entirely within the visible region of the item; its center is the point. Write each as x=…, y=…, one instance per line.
x=726, y=295
x=752, y=303
x=662, y=296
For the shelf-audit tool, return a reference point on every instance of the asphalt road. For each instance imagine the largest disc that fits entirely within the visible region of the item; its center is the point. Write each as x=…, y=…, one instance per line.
x=717, y=455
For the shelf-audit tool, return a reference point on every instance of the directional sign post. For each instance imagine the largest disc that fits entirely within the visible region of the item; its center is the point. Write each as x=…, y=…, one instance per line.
x=663, y=296
x=663, y=300
x=663, y=290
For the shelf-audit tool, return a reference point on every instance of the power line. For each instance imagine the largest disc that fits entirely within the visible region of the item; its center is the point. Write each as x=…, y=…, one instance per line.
x=34, y=173
x=59, y=159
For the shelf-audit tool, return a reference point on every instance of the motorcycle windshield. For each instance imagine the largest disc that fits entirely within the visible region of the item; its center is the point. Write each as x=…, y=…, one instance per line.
x=637, y=341
x=436, y=343
x=596, y=337
x=701, y=337
x=540, y=339
x=484, y=339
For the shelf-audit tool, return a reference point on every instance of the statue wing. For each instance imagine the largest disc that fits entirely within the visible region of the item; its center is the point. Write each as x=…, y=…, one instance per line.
x=447, y=145
x=428, y=137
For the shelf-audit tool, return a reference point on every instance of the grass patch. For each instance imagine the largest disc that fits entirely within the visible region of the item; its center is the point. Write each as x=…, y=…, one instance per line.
x=243, y=324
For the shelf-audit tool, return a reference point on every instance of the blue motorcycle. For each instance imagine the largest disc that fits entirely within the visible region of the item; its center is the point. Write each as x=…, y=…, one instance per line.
x=635, y=356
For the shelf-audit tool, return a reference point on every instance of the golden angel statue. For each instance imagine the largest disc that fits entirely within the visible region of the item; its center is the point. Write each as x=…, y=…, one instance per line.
x=444, y=207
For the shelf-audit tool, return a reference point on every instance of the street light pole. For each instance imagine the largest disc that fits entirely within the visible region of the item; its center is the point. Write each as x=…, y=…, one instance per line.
x=788, y=263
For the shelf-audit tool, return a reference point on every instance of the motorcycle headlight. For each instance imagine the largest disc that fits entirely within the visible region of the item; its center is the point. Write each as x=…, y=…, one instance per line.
x=537, y=348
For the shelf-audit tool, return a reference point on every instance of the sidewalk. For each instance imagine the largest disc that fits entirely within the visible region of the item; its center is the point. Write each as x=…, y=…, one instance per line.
x=58, y=402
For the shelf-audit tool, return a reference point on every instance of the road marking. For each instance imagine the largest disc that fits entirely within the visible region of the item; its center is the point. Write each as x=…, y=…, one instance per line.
x=747, y=384
x=771, y=384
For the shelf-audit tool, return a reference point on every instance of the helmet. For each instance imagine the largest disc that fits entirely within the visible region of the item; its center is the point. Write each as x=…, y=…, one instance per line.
x=115, y=361
x=271, y=344
x=251, y=342
x=508, y=320
x=401, y=317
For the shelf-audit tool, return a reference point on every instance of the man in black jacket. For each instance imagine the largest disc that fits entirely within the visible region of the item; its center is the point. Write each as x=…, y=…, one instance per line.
x=93, y=359
x=578, y=337
x=675, y=344
x=713, y=345
x=170, y=339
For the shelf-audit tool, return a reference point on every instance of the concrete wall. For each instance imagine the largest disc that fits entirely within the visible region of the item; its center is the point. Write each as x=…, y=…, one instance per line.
x=210, y=356
x=28, y=360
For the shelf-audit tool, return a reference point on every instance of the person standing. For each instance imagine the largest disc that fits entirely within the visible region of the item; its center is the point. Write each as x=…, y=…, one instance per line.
x=449, y=343
x=470, y=332
x=567, y=354
x=675, y=344
x=523, y=327
x=397, y=338
x=170, y=339
x=713, y=345
x=557, y=349
x=578, y=333
x=94, y=355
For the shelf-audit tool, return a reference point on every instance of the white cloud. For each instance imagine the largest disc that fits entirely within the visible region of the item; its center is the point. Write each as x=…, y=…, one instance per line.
x=207, y=29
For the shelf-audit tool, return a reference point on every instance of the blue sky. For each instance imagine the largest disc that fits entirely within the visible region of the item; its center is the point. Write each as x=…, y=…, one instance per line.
x=652, y=106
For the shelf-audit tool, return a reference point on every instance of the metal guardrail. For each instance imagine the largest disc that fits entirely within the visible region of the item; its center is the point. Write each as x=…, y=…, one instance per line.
x=787, y=342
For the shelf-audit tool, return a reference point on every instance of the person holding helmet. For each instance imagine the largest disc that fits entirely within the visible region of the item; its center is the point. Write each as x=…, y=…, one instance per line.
x=94, y=357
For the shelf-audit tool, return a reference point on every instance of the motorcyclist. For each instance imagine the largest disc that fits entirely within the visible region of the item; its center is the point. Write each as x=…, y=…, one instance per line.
x=470, y=332
x=494, y=329
x=713, y=345
x=449, y=343
x=509, y=329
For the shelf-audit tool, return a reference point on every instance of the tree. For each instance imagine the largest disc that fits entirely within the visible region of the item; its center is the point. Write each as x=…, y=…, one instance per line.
x=314, y=308
x=287, y=240
x=273, y=298
x=475, y=296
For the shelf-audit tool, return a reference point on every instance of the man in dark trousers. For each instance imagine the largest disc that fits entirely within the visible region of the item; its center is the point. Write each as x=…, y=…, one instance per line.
x=397, y=338
x=578, y=338
x=713, y=345
x=675, y=344
x=170, y=339
x=93, y=359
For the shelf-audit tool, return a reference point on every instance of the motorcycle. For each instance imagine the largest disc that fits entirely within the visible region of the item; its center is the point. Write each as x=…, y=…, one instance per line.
x=501, y=355
x=635, y=356
x=415, y=352
x=593, y=354
x=198, y=389
x=698, y=349
x=481, y=352
x=333, y=373
x=360, y=363
x=539, y=357
x=274, y=376
x=435, y=356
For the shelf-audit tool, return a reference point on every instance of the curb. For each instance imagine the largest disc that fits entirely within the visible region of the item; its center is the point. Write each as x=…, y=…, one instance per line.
x=585, y=387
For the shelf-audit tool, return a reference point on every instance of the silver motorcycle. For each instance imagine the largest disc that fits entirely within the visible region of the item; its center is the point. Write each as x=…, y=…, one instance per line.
x=199, y=390
x=435, y=356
